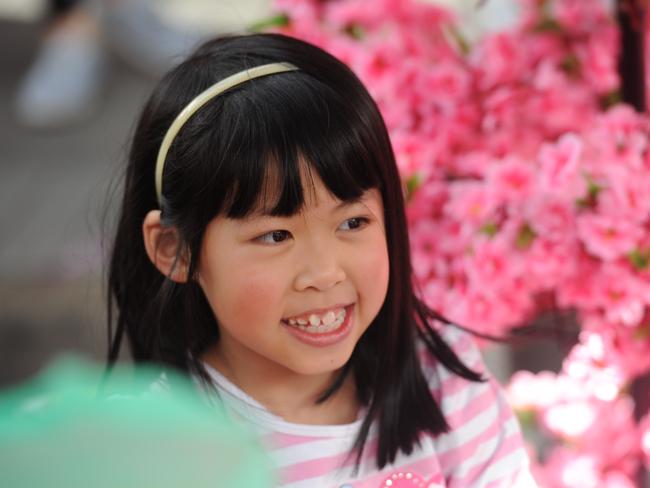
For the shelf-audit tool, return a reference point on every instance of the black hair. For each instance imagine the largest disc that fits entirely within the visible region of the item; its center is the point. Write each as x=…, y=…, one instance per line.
x=219, y=164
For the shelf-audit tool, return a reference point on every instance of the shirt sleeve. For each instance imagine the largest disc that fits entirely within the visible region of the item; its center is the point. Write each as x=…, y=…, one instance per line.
x=484, y=447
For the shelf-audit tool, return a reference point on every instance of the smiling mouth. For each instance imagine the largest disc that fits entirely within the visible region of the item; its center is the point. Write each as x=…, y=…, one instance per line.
x=319, y=323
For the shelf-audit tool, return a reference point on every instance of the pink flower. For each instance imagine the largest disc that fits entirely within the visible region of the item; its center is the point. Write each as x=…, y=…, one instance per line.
x=579, y=16
x=491, y=265
x=624, y=350
x=483, y=310
x=414, y=155
x=499, y=59
x=620, y=294
x=549, y=263
x=566, y=468
x=551, y=216
x=570, y=420
x=598, y=60
x=626, y=196
x=607, y=237
x=471, y=201
x=590, y=373
x=513, y=180
x=559, y=163
x=529, y=391
x=427, y=201
x=448, y=78
x=472, y=164
x=576, y=291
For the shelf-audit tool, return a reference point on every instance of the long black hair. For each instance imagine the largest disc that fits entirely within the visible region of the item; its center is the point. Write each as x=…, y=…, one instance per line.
x=218, y=165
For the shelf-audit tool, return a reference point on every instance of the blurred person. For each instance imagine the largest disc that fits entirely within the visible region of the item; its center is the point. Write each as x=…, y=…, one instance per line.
x=65, y=81
x=70, y=427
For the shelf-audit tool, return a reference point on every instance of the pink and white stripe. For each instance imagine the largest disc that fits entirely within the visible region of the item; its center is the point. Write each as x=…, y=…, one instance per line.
x=483, y=448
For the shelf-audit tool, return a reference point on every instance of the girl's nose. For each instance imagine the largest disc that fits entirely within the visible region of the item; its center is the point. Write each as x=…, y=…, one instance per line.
x=320, y=269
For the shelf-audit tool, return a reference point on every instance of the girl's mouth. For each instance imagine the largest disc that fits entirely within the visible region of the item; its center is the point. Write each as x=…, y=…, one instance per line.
x=322, y=330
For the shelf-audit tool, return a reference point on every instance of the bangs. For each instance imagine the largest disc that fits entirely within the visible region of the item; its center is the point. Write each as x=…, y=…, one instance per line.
x=269, y=134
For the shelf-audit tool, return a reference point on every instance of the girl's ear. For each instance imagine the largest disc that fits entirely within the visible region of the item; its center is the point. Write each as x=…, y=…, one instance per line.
x=163, y=245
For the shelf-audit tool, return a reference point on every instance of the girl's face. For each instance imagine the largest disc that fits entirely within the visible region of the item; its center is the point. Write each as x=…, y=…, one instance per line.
x=293, y=295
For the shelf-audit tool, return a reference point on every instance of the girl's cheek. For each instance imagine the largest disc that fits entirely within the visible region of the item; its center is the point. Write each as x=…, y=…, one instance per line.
x=254, y=298
x=375, y=267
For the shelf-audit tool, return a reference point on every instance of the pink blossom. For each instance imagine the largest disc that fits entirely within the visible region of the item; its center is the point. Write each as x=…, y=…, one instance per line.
x=598, y=60
x=588, y=371
x=549, y=263
x=559, y=163
x=607, y=237
x=454, y=237
x=448, y=77
x=513, y=180
x=566, y=468
x=570, y=420
x=551, y=216
x=620, y=294
x=414, y=156
x=530, y=391
x=499, y=60
x=579, y=16
x=471, y=201
x=626, y=196
x=485, y=311
x=427, y=201
x=576, y=291
x=472, y=164
x=491, y=265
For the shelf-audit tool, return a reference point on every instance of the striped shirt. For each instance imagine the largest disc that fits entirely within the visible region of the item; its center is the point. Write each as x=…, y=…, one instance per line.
x=483, y=447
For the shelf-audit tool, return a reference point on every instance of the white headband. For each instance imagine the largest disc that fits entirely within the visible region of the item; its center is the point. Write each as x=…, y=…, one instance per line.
x=200, y=100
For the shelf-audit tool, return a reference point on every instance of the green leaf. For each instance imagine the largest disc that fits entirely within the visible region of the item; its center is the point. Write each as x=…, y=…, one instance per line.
x=355, y=31
x=412, y=184
x=591, y=198
x=571, y=64
x=462, y=43
x=642, y=332
x=525, y=237
x=527, y=418
x=640, y=259
x=280, y=20
x=490, y=229
x=547, y=24
x=610, y=99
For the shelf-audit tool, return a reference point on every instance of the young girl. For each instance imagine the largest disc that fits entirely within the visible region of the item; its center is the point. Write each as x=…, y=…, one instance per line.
x=263, y=248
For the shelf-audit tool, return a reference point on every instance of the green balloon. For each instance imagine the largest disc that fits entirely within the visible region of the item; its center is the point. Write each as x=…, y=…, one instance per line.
x=72, y=428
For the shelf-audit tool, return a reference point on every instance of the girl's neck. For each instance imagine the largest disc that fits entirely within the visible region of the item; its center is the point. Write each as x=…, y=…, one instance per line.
x=289, y=395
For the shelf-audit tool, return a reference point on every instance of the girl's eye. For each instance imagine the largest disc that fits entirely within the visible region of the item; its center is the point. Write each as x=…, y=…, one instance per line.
x=354, y=223
x=274, y=237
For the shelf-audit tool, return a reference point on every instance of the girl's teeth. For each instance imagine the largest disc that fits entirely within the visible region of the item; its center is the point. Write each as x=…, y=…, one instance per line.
x=329, y=318
x=315, y=325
